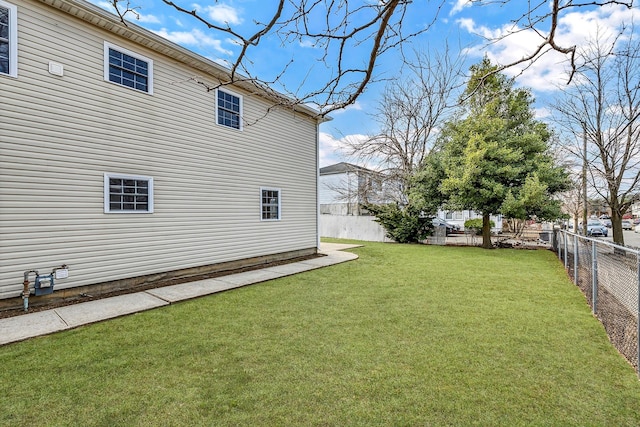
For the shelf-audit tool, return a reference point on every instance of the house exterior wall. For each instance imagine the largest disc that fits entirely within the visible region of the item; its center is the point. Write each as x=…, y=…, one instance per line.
x=347, y=183
x=342, y=193
x=61, y=134
x=338, y=194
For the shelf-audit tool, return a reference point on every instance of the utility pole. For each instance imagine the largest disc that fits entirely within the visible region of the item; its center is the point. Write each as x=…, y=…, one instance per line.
x=584, y=178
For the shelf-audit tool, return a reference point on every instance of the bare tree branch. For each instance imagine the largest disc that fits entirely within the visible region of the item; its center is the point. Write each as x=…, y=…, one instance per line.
x=538, y=16
x=128, y=9
x=606, y=104
x=410, y=113
x=342, y=30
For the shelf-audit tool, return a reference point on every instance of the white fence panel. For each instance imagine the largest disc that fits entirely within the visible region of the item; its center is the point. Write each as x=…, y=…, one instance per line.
x=352, y=227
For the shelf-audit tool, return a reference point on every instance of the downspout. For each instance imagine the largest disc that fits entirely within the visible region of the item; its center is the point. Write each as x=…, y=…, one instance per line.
x=318, y=186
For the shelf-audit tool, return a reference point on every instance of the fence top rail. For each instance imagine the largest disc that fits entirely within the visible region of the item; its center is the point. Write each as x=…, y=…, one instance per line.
x=602, y=242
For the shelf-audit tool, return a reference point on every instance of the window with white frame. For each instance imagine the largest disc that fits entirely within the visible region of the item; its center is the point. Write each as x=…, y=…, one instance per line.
x=270, y=204
x=128, y=193
x=126, y=68
x=229, y=109
x=8, y=39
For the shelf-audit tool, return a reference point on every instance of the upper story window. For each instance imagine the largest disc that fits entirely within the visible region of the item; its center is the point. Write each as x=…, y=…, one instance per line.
x=229, y=108
x=270, y=204
x=128, y=193
x=126, y=68
x=8, y=39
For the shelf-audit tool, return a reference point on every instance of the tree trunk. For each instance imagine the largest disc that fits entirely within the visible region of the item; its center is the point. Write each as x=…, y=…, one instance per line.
x=616, y=226
x=486, y=231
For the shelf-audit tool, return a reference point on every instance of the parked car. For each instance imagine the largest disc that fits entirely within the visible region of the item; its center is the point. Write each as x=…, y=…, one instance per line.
x=595, y=228
x=437, y=222
x=627, y=224
x=606, y=221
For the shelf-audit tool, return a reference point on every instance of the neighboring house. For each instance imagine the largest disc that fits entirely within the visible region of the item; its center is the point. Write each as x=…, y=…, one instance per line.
x=344, y=187
x=342, y=190
x=635, y=210
x=115, y=161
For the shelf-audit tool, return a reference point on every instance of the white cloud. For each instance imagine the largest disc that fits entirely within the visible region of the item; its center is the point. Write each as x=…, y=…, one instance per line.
x=148, y=19
x=356, y=106
x=307, y=43
x=549, y=71
x=577, y=27
x=223, y=14
x=105, y=5
x=458, y=6
x=541, y=113
x=194, y=37
x=134, y=16
x=467, y=24
x=331, y=148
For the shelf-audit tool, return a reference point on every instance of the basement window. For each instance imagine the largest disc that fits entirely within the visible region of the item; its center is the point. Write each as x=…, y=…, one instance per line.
x=128, y=193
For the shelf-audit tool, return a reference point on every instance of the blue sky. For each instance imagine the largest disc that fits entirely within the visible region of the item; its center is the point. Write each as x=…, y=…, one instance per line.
x=465, y=27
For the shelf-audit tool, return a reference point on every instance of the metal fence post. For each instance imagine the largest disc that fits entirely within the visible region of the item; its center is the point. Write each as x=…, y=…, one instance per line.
x=566, y=252
x=575, y=259
x=594, y=276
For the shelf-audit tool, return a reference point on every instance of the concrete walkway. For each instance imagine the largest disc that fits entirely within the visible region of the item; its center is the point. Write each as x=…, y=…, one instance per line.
x=30, y=325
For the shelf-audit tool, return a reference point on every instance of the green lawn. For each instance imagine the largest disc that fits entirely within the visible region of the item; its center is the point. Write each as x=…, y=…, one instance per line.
x=407, y=335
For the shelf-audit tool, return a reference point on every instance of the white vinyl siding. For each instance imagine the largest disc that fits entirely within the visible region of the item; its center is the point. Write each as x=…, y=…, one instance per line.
x=338, y=188
x=8, y=39
x=60, y=135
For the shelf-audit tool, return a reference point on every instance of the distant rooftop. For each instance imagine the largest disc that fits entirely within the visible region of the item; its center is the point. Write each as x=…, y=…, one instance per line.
x=342, y=167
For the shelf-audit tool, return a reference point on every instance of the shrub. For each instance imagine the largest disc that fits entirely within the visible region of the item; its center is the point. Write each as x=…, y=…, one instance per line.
x=402, y=225
x=476, y=225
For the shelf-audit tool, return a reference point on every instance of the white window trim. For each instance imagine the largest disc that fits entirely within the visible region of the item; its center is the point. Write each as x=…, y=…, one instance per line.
x=13, y=38
x=241, y=101
x=107, y=192
x=149, y=62
x=279, y=204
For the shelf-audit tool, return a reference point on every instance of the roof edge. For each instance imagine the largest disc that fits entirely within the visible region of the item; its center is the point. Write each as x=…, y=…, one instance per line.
x=109, y=21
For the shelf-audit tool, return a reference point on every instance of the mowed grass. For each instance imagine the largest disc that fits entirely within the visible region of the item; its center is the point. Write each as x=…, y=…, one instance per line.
x=407, y=335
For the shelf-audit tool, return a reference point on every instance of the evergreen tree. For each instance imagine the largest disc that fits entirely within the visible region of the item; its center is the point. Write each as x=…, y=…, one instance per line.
x=496, y=158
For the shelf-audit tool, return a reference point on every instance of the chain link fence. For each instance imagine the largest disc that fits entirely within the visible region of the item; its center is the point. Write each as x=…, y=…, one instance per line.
x=439, y=236
x=609, y=277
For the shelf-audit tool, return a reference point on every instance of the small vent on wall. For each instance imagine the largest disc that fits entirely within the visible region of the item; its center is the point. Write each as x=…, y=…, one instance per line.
x=56, y=69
